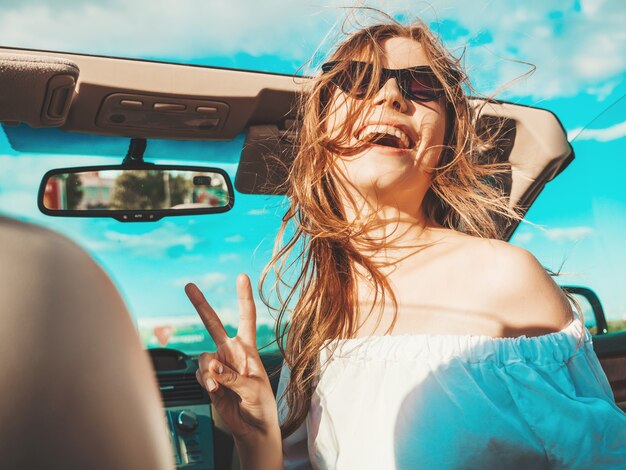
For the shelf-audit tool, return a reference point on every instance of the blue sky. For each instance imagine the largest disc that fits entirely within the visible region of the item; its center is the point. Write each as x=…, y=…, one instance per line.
x=577, y=48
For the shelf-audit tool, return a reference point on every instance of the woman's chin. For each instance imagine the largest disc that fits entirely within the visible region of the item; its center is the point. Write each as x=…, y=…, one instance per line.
x=381, y=171
x=384, y=183
x=382, y=168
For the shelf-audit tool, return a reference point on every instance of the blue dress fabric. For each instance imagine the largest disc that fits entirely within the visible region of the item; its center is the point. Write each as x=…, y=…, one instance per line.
x=459, y=402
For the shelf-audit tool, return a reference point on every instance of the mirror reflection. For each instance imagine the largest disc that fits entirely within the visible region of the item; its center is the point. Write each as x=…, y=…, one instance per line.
x=134, y=189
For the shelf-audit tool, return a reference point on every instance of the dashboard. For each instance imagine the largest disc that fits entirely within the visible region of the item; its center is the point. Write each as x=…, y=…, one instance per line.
x=200, y=441
x=187, y=409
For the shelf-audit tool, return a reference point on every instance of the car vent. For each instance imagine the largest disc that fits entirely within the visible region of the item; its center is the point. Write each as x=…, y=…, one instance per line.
x=178, y=389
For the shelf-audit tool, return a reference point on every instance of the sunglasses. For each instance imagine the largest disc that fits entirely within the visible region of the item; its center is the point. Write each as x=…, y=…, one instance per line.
x=416, y=83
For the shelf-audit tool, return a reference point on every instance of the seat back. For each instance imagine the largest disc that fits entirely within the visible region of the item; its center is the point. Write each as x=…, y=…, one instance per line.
x=78, y=389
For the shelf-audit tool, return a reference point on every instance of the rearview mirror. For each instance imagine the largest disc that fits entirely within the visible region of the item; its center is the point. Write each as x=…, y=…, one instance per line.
x=139, y=193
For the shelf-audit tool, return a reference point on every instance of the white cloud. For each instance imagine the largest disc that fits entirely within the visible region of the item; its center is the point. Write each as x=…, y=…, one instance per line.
x=573, y=50
x=227, y=315
x=208, y=280
x=261, y=211
x=603, y=90
x=96, y=246
x=568, y=233
x=591, y=6
x=188, y=29
x=19, y=188
x=18, y=203
x=524, y=237
x=614, y=132
x=154, y=243
x=234, y=239
x=229, y=257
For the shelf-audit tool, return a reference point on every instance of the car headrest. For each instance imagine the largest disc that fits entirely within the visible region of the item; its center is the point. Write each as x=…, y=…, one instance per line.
x=78, y=389
x=41, y=89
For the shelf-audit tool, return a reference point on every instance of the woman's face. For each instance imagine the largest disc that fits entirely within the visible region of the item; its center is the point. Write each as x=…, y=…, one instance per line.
x=386, y=174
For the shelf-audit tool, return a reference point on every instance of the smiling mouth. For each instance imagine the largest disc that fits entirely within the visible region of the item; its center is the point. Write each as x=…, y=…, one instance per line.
x=385, y=136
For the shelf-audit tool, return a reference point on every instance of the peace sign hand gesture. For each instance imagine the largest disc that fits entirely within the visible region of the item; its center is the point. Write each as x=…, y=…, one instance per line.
x=234, y=375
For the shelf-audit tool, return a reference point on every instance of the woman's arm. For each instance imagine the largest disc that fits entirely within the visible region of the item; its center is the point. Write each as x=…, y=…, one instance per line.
x=261, y=452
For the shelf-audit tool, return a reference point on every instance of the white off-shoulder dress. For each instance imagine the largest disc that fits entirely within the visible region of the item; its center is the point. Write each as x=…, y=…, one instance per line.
x=459, y=402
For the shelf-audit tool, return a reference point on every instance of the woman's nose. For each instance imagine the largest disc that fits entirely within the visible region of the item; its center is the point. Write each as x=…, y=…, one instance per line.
x=391, y=94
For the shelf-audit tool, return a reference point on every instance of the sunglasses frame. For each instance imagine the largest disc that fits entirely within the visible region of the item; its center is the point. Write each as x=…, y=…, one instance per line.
x=402, y=76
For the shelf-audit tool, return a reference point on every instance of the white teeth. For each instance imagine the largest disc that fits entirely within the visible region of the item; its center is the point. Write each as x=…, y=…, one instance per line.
x=384, y=129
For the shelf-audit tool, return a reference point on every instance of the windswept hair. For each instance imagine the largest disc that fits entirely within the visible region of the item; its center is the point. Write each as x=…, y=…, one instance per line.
x=467, y=194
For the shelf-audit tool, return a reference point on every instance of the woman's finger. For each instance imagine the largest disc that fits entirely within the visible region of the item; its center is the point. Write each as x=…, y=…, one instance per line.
x=202, y=374
x=208, y=382
x=247, y=311
x=219, y=392
x=231, y=379
x=199, y=378
x=204, y=360
x=207, y=314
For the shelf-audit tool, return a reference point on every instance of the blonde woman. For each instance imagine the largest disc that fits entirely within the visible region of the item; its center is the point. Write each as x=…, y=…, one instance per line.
x=476, y=362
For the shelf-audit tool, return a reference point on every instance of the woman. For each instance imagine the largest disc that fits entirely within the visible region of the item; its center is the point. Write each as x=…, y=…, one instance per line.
x=388, y=195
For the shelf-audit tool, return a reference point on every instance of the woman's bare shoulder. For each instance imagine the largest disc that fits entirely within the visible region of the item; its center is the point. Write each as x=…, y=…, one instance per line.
x=479, y=249
x=506, y=280
x=516, y=285
x=499, y=249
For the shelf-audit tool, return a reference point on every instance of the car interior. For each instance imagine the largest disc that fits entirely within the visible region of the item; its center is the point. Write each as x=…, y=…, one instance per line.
x=71, y=401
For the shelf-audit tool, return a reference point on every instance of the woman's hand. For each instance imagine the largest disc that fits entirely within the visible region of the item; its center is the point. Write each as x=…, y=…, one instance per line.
x=234, y=375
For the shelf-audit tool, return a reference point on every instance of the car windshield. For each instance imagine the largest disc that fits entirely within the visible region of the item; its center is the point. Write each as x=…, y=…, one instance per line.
x=581, y=213
x=151, y=262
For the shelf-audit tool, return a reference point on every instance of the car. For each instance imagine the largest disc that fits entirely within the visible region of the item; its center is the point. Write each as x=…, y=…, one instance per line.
x=69, y=114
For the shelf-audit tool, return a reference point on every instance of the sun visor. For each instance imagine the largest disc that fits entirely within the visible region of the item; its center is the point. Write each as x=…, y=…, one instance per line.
x=531, y=139
x=36, y=89
x=265, y=160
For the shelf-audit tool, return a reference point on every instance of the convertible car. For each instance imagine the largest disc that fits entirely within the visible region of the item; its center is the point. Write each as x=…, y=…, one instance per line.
x=166, y=174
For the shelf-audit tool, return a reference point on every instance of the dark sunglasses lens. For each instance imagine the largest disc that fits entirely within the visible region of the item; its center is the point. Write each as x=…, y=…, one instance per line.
x=360, y=75
x=423, y=86
x=353, y=79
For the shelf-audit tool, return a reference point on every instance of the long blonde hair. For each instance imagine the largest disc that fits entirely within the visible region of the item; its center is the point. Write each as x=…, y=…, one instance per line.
x=466, y=194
